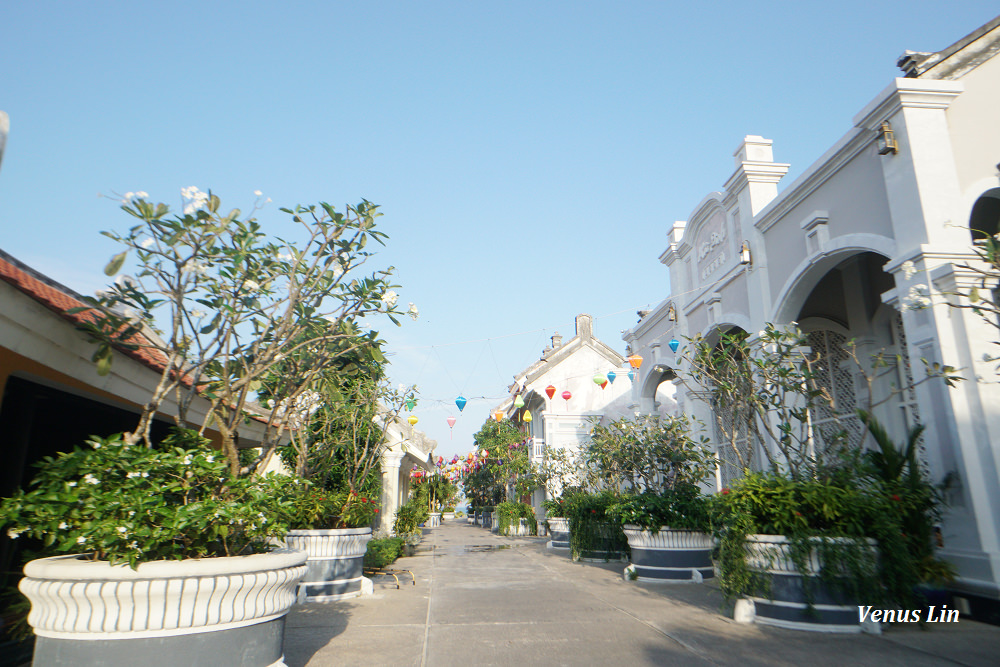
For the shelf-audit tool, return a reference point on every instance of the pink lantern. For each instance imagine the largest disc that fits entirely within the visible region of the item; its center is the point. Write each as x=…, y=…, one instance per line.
x=451, y=425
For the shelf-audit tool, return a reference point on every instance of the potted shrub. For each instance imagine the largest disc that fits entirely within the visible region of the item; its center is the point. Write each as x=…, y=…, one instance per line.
x=516, y=519
x=806, y=542
x=167, y=518
x=594, y=534
x=556, y=523
x=667, y=523
x=407, y=523
x=336, y=454
x=148, y=531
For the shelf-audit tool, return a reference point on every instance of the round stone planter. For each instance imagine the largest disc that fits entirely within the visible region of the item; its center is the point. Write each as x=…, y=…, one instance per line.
x=559, y=532
x=670, y=555
x=336, y=559
x=434, y=520
x=221, y=611
x=787, y=606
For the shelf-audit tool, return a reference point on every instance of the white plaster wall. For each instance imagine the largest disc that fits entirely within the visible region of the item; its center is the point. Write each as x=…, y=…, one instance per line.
x=974, y=126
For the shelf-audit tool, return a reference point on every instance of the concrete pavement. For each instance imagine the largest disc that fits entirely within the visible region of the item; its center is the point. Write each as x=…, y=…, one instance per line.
x=481, y=599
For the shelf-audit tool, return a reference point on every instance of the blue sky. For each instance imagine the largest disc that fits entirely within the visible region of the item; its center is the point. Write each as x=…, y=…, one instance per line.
x=529, y=157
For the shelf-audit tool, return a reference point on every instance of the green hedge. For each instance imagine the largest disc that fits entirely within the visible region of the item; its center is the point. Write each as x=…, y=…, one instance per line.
x=382, y=552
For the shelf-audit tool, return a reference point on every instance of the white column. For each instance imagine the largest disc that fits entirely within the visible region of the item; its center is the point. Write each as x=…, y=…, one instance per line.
x=390, y=488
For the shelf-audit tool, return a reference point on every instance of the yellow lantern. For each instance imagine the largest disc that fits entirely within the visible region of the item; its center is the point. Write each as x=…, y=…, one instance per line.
x=412, y=419
x=527, y=416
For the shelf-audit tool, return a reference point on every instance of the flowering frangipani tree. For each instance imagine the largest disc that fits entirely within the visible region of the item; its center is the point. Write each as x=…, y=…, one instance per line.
x=236, y=304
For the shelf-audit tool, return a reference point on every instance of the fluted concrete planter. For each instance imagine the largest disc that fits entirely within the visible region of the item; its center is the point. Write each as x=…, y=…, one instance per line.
x=494, y=524
x=228, y=612
x=336, y=559
x=559, y=532
x=434, y=519
x=832, y=610
x=670, y=555
x=447, y=516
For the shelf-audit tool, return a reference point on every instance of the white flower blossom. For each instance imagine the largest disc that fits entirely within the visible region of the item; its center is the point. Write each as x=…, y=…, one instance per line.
x=917, y=298
x=122, y=529
x=63, y=525
x=145, y=474
x=197, y=314
x=95, y=445
x=285, y=256
x=13, y=534
x=71, y=484
x=210, y=458
x=257, y=193
x=195, y=199
x=81, y=540
x=413, y=312
x=90, y=479
x=148, y=241
x=908, y=269
x=187, y=460
x=131, y=475
x=390, y=298
x=251, y=284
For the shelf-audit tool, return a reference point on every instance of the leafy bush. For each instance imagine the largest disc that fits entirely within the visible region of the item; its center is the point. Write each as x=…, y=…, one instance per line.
x=681, y=508
x=309, y=507
x=591, y=528
x=409, y=517
x=383, y=551
x=124, y=502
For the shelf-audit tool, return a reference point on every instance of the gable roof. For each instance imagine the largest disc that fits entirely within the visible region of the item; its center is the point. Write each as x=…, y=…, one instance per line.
x=60, y=299
x=551, y=357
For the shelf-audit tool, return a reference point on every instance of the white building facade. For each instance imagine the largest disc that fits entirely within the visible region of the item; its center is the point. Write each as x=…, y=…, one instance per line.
x=882, y=221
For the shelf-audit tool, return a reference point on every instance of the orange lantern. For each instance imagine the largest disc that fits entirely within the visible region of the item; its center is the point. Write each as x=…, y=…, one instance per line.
x=635, y=361
x=498, y=415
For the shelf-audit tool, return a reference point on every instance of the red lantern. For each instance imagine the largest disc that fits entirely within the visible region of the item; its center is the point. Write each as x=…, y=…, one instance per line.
x=551, y=391
x=604, y=384
x=567, y=395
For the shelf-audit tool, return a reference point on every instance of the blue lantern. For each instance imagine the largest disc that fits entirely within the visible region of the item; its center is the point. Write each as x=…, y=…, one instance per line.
x=631, y=375
x=611, y=377
x=460, y=402
x=674, y=344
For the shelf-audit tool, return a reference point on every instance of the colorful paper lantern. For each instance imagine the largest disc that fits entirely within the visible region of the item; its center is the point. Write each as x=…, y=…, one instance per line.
x=550, y=391
x=498, y=415
x=527, y=416
x=673, y=344
x=412, y=419
x=566, y=395
x=631, y=376
x=410, y=403
x=451, y=425
x=460, y=402
x=518, y=402
x=600, y=378
x=635, y=361
x=604, y=384
x=611, y=377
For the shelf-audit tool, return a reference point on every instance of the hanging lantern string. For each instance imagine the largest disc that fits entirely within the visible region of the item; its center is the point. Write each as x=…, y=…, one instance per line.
x=673, y=296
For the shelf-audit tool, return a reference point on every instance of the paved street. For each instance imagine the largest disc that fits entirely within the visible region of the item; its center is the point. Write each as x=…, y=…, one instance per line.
x=480, y=599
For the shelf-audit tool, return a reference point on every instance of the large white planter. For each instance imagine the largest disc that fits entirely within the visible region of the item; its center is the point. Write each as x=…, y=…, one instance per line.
x=670, y=555
x=559, y=532
x=787, y=606
x=447, y=516
x=184, y=612
x=336, y=560
x=433, y=519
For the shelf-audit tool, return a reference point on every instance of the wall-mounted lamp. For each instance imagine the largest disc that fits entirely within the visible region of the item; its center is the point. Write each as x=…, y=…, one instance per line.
x=745, y=257
x=671, y=313
x=885, y=139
